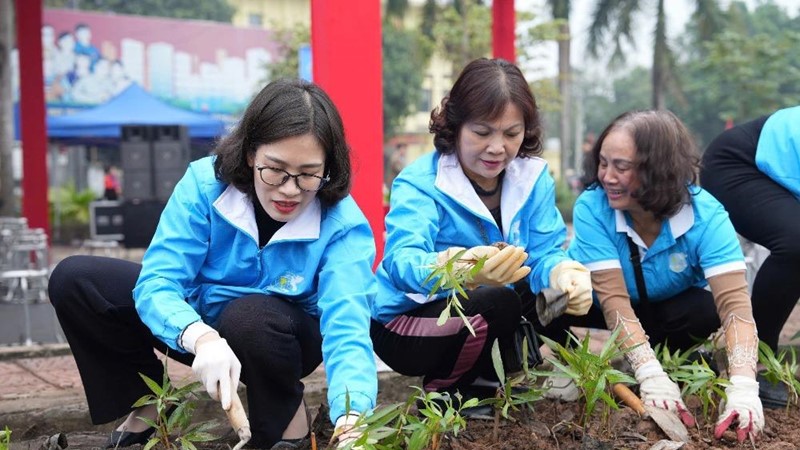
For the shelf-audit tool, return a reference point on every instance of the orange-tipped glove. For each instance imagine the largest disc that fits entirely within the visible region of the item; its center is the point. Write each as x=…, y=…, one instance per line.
x=742, y=406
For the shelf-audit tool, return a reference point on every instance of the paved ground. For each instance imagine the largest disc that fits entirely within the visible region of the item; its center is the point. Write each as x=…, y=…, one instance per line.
x=40, y=387
x=40, y=383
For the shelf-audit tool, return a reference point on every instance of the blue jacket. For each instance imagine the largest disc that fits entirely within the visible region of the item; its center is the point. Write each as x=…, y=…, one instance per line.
x=778, y=153
x=434, y=207
x=205, y=254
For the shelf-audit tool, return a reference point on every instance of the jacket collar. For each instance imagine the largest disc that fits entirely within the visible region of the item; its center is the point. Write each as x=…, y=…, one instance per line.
x=679, y=224
x=521, y=175
x=237, y=208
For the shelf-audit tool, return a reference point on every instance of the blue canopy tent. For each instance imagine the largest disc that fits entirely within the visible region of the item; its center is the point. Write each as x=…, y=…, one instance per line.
x=133, y=106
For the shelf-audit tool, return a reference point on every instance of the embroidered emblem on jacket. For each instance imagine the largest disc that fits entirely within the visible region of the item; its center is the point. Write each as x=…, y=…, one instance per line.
x=288, y=282
x=677, y=262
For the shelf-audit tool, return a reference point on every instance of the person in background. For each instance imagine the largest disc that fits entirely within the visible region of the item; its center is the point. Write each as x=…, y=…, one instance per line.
x=754, y=170
x=398, y=160
x=111, y=188
x=653, y=240
x=483, y=184
x=261, y=267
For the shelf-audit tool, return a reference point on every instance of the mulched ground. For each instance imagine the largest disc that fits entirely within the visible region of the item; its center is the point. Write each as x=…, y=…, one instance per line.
x=551, y=425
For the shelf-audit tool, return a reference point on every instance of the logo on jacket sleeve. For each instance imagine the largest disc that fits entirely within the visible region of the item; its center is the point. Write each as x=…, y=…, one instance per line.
x=288, y=282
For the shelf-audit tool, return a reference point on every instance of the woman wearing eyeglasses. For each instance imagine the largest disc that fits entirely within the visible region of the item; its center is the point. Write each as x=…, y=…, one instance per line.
x=260, y=269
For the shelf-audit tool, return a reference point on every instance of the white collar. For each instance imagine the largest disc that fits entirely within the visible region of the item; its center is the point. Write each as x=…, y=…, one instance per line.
x=520, y=177
x=237, y=208
x=679, y=224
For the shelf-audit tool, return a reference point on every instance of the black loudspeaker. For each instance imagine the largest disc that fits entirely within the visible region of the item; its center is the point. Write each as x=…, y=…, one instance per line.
x=136, y=155
x=106, y=220
x=135, y=133
x=153, y=159
x=140, y=222
x=170, y=147
x=170, y=157
x=138, y=184
x=165, y=182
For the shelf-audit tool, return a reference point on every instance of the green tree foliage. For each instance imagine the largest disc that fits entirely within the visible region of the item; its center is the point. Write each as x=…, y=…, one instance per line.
x=216, y=10
x=602, y=105
x=462, y=33
x=615, y=21
x=396, y=8
x=749, y=69
x=429, y=11
x=289, y=39
x=405, y=53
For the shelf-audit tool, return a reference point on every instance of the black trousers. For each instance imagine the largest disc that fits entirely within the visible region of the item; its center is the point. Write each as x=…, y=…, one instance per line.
x=763, y=212
x=680, y=321
x=449, y=357
x=276, y=342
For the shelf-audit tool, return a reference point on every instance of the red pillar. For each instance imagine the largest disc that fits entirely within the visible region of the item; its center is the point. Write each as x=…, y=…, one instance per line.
x=503, y=21
x=346, y=49
x=32, y=114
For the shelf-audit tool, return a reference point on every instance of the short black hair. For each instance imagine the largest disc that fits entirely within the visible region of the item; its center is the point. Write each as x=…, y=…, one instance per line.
x=482, y=91
x=283, y=109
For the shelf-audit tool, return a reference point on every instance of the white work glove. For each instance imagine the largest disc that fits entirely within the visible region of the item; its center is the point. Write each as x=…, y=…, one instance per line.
x=345, y=430
x=500, y=268
x=742, y=406
x=559, y=387
x=572, y=278
x=657, y=389
x=217, y=367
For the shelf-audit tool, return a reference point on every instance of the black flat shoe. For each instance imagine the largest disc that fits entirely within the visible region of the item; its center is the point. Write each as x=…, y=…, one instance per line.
x=291, y=444
x=773, y=396
x=127, y=438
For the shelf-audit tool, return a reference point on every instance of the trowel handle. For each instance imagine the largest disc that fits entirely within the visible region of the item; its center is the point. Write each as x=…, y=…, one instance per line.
x=627, y=396
x=238, y=419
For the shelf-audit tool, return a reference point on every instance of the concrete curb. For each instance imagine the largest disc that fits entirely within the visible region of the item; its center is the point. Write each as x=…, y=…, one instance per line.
x=12, y=352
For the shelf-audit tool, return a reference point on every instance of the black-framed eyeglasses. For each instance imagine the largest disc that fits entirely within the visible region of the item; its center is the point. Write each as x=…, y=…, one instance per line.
x=275, y=176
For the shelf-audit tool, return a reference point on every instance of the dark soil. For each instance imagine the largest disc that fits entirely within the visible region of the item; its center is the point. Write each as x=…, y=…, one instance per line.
x=551, y=425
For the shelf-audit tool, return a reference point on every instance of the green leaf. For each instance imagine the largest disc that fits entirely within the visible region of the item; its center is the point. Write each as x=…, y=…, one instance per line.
x=497, y=362
x=445, y=314
x=152, y=385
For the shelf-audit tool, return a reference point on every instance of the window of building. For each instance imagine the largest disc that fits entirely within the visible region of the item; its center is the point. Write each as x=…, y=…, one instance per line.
x=424, y=104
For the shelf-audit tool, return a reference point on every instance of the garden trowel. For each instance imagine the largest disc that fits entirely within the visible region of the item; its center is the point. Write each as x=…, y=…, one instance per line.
x=238, y=419
x=669, y=422
x=550, y=305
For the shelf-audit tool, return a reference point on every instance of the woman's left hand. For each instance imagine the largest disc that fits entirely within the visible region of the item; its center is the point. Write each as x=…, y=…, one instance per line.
x=572, y=278
x=742, y=406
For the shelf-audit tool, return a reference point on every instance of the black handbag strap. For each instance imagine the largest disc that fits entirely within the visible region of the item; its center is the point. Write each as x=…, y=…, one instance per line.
x=636, y=260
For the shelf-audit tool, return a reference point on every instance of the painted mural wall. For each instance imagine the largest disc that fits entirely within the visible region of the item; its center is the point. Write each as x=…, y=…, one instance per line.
x=198, y=65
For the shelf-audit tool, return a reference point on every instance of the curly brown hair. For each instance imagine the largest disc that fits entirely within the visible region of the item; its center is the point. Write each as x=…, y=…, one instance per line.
x=482, y=91
x=283, y=109
x=667, y=162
